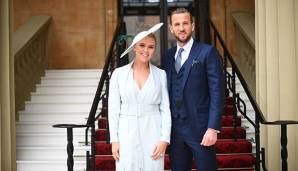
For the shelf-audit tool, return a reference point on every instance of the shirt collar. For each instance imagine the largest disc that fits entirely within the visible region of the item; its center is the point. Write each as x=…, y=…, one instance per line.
x=187, y=46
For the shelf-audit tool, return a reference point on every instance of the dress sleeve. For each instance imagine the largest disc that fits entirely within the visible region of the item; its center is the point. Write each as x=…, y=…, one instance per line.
x=164, y=108
x=114, y=107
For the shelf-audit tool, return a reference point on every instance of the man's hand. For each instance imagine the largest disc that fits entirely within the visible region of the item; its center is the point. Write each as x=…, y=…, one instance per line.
x=159, y=150
x=115, y=150
x=210, y=137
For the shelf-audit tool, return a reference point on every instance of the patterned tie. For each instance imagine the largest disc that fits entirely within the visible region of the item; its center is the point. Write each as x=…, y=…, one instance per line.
x=178, y=60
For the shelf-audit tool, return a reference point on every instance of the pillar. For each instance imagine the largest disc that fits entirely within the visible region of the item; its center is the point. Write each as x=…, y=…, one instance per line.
x=277, y=75
x=7, y=119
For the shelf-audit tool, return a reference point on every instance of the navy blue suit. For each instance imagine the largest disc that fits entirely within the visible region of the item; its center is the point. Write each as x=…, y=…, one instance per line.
x=196, y=100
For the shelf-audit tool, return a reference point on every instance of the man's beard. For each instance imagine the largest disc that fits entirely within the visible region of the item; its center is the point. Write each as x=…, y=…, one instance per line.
x=183, y=41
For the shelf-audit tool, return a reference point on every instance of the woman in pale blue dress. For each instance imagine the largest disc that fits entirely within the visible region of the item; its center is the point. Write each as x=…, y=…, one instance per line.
x=139, y=114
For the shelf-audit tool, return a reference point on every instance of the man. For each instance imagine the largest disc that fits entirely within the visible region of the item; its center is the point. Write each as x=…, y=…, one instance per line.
x=196, y=90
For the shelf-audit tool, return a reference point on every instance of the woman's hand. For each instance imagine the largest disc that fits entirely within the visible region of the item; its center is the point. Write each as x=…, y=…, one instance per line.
x=159, y=150
x=115, y=150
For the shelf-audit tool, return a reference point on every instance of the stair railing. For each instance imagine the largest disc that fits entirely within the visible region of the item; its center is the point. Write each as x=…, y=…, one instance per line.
x=111, y=62
x=241, y=106
x=231, y=88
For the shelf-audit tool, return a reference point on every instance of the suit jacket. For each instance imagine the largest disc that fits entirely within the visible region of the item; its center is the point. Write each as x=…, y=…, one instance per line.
x=203, y=86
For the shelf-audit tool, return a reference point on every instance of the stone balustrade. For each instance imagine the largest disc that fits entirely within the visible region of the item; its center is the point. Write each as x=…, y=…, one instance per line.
x=30, y=52
x=245, y=47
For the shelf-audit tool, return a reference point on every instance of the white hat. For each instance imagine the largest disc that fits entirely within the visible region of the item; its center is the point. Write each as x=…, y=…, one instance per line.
x=140, y=36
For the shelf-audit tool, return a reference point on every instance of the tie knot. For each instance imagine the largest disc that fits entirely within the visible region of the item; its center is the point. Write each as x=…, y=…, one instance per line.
x=180, y=50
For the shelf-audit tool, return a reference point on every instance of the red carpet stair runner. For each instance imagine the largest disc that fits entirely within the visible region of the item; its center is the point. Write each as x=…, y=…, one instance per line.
x=231, y=155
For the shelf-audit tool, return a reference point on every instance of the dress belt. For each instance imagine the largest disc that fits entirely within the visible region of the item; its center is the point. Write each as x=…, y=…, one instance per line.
x=139, y=109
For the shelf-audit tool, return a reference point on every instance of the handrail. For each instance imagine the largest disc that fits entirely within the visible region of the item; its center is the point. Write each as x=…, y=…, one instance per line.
x=240, y=77
x=259, y=117
x=231, y=85
x=103, y=76
x=91, y=118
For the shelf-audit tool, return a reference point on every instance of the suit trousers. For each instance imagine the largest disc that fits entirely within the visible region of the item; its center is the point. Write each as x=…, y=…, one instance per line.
x=184, y=147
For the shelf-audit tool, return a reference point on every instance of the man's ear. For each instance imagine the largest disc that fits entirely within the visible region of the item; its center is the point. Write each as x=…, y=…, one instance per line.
x=171, y=29
x=193, y=26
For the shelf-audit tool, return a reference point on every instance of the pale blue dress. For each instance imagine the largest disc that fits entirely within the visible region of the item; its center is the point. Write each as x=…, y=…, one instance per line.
x=139, y=118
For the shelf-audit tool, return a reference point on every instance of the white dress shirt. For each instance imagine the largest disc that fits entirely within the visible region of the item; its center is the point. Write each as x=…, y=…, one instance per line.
x=186, y=50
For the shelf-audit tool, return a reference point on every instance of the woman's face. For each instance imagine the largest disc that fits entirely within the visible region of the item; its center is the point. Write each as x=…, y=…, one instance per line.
x=144, y=49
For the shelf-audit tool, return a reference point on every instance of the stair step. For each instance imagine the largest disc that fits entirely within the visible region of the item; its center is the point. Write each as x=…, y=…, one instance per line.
x=53, y=116
x=247, y=125
x=47, y=153
x=77, y=73
x=48, y=165
x=225, y=121
x=70, y=81
x=45, y=127
x=229, y=169
x=225, y=133
x=48, y=139
x=222, y=147
x=243, y=160
x=66, y=88
x=237, y=169
x=229, y=109
x=62, y=97
x=58, y=107
x=229, y=120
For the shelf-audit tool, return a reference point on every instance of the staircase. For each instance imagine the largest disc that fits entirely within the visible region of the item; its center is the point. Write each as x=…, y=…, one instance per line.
x=64, y=96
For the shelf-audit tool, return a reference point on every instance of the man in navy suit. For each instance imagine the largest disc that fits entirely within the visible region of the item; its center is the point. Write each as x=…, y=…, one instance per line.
x=196, y=90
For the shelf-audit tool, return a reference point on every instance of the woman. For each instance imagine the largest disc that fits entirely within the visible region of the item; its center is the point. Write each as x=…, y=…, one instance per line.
x=139, y=114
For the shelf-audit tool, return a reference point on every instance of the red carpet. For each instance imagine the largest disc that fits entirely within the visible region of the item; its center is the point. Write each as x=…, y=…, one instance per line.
x=224, y=161
x=222, y=147
x=225, y=122
x=231, y=155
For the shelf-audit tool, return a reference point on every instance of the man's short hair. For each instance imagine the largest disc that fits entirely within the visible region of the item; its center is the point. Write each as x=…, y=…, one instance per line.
x=180, y=11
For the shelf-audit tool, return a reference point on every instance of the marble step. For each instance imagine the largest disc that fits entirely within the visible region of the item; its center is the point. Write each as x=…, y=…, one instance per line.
x=49, y=139
x=49, y=165
x=45, y=127
x=58, y=106
x=74, y=97
x=76, y=73
x=70, y=81
x=53, y=116
x=48, y=153
x=67, y=89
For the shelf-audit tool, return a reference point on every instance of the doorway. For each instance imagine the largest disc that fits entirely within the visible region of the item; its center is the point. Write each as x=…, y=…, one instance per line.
x=140, y=15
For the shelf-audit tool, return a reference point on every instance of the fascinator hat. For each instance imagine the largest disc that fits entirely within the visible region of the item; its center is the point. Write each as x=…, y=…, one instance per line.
x=141, y=36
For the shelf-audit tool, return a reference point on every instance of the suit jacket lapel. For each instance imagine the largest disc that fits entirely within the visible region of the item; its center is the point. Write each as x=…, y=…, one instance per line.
x=188, y=62
x=171, y=59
